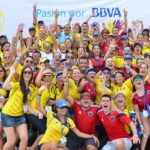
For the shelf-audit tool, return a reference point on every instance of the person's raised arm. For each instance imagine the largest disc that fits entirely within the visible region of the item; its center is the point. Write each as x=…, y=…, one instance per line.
x=6, y=85
x=147, y=60
x=34, y=15
x=66, y=87
x=55, y=19
x=70, y=18
x=39, y=76
x=125, y=21
x=38, y=98
x=88, y=19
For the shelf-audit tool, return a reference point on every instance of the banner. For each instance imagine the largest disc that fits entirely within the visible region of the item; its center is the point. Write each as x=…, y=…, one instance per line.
x=20, y=11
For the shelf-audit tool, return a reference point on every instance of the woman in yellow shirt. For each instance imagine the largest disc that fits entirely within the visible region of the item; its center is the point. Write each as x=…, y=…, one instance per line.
x=58, y=126
x=13, y=119
x=3, y=95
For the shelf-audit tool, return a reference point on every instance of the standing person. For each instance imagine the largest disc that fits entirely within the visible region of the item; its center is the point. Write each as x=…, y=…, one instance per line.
x=141, y=98
x=85, y=119
x=13, y=119
x=113, y=122
x=3, y=96
x=58, y=126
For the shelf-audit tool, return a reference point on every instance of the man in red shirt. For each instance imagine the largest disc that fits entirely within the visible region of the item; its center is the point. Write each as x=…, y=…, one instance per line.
x=113, y=122
x=85, y=120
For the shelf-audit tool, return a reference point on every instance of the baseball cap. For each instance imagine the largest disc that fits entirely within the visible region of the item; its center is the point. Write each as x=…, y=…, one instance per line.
x=62, y=60
x=32, y=28
x=47, y=72
x=59, y=73
x=106, y=68
x=3, y=36
x=95, y=33
x=61, y=103
x=119, y=93
x=111, y=34
x=42, y=60
x=84, y=94
x=89, y=69
x=147, y=55
x=94, y=23
x=135, y=44
x=125, y=37
x=128, y=56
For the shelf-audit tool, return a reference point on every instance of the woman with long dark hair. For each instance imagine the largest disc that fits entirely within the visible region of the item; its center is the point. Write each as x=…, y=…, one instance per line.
x=3, y=96
x=13, y=119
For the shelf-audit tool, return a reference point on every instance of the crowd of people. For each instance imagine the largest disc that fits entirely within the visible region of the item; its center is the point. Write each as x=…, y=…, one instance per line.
x=74, y=87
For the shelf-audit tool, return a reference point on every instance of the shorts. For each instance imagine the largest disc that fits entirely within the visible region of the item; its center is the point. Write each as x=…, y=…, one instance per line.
x=111, y=144
x=75, y=142
x=38, y=124
x=11, y=121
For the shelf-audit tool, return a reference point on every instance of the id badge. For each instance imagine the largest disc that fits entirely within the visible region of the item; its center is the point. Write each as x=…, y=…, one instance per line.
x=25, y=108
x=62, y=142
x=48, y=107
x=145, y=113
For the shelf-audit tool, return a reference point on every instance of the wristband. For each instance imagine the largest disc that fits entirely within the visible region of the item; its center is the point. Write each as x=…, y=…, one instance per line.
x=129, y=68
x=14, y=45
x=17, y=59
x=34, y=114
x=103, y=84
x=135, y=134
x=67, y=82
x=38, y=97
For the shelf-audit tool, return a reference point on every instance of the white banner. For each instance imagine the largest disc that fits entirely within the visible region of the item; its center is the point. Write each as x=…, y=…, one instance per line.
x=15, y=12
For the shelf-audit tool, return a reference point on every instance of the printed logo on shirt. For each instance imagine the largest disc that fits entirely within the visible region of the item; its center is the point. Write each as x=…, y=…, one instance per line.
x=148, y=91
x=90, y=113
x=112, y=118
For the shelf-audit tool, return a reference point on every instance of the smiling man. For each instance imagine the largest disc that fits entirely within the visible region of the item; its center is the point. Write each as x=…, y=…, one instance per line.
x=113, y=122
x=85, y=119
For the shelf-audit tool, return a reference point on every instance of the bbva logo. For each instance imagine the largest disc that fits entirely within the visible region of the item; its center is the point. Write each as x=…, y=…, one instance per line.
x=106, y=12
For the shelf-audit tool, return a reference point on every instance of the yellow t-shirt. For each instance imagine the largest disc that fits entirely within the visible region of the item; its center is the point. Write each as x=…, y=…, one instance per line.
x=127, y=89
x=14, y=105
x=55, y=129
x=99, y=90
x=41, y=43
x=127, y=112
x=73, y=91
x=145, y=50
x=118, y=60
x=45, y=95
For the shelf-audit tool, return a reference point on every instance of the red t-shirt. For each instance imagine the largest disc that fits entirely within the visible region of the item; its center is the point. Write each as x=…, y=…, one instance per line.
x=98, y=64
x=140, y=100
x=114, y=124
x=85, y=120
x=91, y=89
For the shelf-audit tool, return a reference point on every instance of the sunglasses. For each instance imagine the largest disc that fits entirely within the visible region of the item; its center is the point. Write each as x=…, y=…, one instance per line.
x=69, y=57
x=106, y=72
x=86, y=97
x=48, y=76
x=92, y=72
x=64, y=107
x=57, y=56
x=59, y=77
x=28, y=61
x=27, y=72
x=137, y=79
